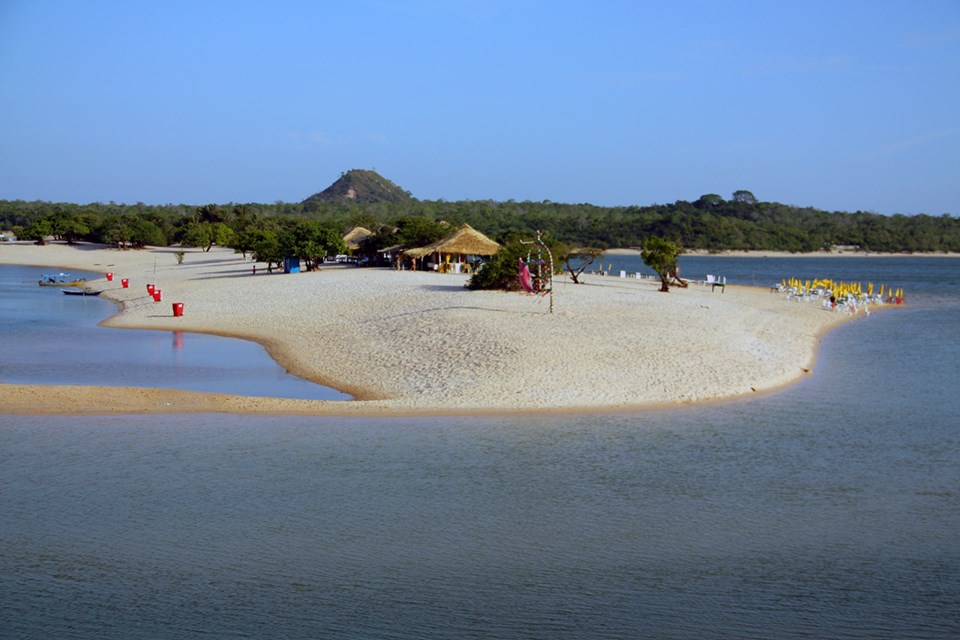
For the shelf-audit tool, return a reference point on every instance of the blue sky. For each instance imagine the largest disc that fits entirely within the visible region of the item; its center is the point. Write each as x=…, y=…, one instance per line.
x=840, y=105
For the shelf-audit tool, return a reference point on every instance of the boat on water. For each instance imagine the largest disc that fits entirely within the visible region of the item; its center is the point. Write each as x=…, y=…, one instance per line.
x=81, y=292
x=60, y=280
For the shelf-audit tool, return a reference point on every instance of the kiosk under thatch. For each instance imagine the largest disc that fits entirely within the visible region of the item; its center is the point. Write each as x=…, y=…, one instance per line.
x=355, y=236
x=458, y=252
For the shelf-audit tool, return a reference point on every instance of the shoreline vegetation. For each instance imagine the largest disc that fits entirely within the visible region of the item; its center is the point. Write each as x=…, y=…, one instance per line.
x=363, y=198
x=420, y=344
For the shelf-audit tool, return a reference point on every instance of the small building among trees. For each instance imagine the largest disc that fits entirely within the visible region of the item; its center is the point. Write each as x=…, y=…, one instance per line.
x=355, y=237
x=457, y=253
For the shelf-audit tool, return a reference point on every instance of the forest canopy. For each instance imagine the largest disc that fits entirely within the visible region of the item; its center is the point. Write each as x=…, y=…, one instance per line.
x=710, y=223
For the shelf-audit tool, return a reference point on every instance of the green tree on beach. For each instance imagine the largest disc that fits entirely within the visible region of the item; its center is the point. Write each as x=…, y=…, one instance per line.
x=117, y=230
x=69, y=227
x=265, y=246
x=585, y=255
x=501, y=271
x=37, y=230
x=206, y=234
x=312, y=241
x=144, y=232
x=197, y=234
x=661, y=256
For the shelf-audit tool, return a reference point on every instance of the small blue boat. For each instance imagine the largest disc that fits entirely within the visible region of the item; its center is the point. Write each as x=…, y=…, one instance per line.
x=60, y=280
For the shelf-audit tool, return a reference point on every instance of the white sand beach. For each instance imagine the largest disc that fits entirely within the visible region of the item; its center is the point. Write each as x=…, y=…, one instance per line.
x=419, y=343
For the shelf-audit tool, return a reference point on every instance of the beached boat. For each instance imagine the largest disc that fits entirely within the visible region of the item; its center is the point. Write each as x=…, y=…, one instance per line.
x=60, y=280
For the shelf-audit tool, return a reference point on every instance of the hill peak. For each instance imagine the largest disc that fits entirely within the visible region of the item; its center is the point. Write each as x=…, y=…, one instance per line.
x=360, y=185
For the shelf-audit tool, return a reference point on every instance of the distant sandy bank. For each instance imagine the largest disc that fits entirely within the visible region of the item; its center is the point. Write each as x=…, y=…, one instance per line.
x=417, y=343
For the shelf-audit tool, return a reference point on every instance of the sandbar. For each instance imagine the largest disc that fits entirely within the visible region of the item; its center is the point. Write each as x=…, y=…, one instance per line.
x=420, y=343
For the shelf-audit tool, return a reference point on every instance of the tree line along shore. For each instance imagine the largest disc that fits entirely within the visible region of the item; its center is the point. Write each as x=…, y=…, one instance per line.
x=710, y=223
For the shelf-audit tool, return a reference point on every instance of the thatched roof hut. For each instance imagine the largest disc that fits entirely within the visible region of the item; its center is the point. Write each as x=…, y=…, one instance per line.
x=465, y=241
x=461, y=247
x=355, y=236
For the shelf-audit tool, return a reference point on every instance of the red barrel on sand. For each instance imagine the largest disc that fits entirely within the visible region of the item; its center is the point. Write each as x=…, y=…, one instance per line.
x=109, y=276
x=125, y=282
x=157, y=295
x=149, y=289
x=177, y=309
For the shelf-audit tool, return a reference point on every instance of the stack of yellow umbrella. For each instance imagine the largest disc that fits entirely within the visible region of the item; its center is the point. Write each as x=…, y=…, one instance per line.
x=839, y=289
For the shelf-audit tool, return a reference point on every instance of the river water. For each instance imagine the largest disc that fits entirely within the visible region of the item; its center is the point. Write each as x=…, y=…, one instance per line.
x=51, y=338
x=828, y=510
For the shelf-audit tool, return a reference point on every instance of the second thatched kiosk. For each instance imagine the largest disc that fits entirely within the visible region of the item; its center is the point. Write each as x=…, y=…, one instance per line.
x=457, y=253
x=355, y=237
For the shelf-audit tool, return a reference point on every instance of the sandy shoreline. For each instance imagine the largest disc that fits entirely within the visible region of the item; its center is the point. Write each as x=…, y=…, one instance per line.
x=415, y=343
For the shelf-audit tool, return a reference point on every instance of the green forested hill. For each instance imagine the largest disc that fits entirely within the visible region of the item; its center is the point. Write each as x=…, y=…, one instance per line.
x=359, y=185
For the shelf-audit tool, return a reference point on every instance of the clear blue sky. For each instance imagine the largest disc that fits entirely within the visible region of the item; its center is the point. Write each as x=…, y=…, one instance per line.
x=840, y=105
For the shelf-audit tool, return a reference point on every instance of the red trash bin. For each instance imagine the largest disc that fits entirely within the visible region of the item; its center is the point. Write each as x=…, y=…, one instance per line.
x=109, y=276
x=125, y=283
x=149, y=289
x=157, y=295
x=177, y=309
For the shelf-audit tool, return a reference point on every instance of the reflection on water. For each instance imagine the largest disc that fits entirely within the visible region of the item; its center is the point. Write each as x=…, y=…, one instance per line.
x=55, y=339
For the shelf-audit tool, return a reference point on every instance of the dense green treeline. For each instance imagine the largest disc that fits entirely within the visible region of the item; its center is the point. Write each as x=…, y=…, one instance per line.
x=709, y=223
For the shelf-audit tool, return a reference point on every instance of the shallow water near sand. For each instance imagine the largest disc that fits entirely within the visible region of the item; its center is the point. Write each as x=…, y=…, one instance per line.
x=828, y=510
x=52, y=338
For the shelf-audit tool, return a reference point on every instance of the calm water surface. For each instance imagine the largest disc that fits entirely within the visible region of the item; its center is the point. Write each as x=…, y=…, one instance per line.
x=923, y=280
x=829, y=510
x=50, y=338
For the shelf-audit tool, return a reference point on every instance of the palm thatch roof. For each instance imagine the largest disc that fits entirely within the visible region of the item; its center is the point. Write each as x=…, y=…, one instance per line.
x=355, y=236
x=465, y=240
